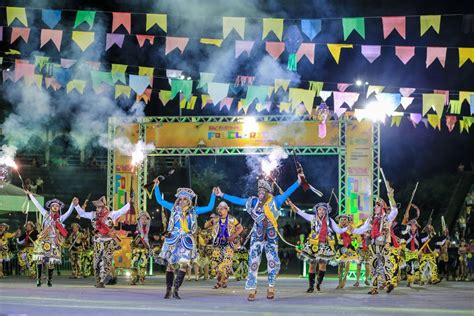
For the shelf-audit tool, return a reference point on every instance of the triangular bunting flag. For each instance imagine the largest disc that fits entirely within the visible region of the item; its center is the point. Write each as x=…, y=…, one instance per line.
x=146, y=71
x=205, y=78
x=158, y=19
x=306, y=49
x=138, y=83
x=275, y=49
x=165, y=96
x=83, y=39
x=324, y=95
x=243, y=46
x=406, y=92
x=433, y=100
x=374, y=89
x=427, y=21
x=78, y=85
x=335, y=50
x=415, y=118
x=343, y=86
x=465, y=96
x=205, y=100
x=353, y=24
x=297, y=96
x=122, y=90
x=20, y=32
x=455, y=106
x=84, y=16
x=316, y=86
x=391, y=23
x=311, y=28
x=370, y=52
x=24, y=70
x=405, y=53
x=255, y=92
x=433, y=53
x=273, y=25
x=406, y=102
x=176, y=42
x=217, y=91
x=226, y=103
x=451, y=122
x=349, y=98
x=445, y=93
x=54, y=35
x=145, y=96
x=118, y=73
x=51, y=17
x=16, y=13
x=122, y=18
x=281, y=83
x=233, y=23
x=41, y=61
x=211, y=41
x=112, y=39
x=435, y=121
x=285, y=107
x=396, y=120
x=465, y=54
x=142, y=38
x=181, y=86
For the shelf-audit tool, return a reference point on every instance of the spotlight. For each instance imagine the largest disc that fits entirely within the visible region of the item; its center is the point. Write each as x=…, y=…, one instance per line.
x=358, y=82
x=366, y=83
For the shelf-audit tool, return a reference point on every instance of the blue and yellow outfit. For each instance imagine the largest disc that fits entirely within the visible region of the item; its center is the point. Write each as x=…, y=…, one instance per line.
x=264, y=233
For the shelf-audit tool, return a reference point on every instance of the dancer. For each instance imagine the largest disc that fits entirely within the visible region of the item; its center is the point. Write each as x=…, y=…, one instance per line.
x=47, y=251
x=203, y=263
x=5, y=236
x=179, y=248
x=264, y=210
x=319, y=248
x=429, y=251
x=75, y=243
x=105, y=240
x=25, y=256
x=141, y=249
x=346, y=254
x=87, y=255
x=380, y=224
x=414, y=239
x=364, y=259
x=225, y=230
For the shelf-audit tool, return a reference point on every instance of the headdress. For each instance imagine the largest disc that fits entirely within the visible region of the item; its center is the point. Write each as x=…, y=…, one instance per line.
x=101, y=202
x=7, y=227
x=324, y=205
x=29, y=223
x=50, y=203
x=185, y=192
x=348, y=216
x=263, y=183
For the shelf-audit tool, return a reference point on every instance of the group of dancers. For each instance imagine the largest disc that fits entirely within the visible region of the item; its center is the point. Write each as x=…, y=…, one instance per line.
x=373, y=244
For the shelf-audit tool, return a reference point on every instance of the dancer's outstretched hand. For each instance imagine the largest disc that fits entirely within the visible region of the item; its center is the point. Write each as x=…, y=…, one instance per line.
x=75, y=201
x=217, y=191
x=157, y=180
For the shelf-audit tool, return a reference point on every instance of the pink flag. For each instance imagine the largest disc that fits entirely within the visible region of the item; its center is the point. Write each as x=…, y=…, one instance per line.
x=306, y=49
x=23, y=70
x=433, y=53
x=339, y=111
x=391, y=23
x=343, y=86
x=112, y=39
x=176, y=42
x=370, y=52
x=226, y=102
x=122, y=18
x=142, y=38
x=243, y=46
x=275, y=49
x=349, y=98
x=451, y=122
x=406, y=92
x=415, y=118
x=53, y=35
x=405, y=53
x=67, y=63
x=53, y=83
x=446, y=95
x=22, y=32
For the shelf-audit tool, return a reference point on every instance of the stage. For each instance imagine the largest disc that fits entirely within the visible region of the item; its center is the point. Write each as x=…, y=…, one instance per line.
x=19, y=295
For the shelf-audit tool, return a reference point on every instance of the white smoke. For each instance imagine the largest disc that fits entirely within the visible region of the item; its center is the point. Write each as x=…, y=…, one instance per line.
x=7, y=155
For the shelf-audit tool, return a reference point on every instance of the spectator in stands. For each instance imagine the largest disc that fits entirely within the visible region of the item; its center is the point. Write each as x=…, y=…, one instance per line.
x=462, y=226
x=453, y=260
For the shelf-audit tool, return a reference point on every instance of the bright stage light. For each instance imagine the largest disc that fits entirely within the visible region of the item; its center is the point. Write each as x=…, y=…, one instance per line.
x=376, y=111
x=250, y=125
x=358, y=83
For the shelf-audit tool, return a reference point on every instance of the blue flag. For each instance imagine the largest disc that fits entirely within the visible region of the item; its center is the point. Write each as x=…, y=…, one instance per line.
x=311, y=28
x=51, y=17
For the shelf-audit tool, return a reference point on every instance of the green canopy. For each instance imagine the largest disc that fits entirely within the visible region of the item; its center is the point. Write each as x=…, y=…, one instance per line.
x=13, y=199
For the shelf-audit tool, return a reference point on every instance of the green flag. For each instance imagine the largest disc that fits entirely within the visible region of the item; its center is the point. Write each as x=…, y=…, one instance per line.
x=353, y=24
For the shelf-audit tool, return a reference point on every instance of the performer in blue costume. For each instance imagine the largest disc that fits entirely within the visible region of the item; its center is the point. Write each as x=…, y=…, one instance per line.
x=179, y=248
x=264, y=210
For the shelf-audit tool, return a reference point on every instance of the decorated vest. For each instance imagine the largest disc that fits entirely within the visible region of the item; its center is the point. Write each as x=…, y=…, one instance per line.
x=316, y=225
x=217, y=230
x=189, y=219
x=103, y=225
x=380, y=234
x=265, y=223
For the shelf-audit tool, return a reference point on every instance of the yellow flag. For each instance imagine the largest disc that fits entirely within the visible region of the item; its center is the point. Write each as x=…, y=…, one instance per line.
x=204, y=99
x=374, y=89
x=79, y=85
x=158, y=19
x=233, y=23
x=83, y=39
x=190, y=105
x=433, y=100
x=435, y=121
x=396, y=120
x=427, y=21
x=275, y=25
x=465, y=96
x=455, y=106
x=146, y=71
x=16, y=13
x=285, y=107
x=211, y=41
x=38, y=80
x=281, y=83
x=304, y=96
x=335, y=50
x=122, y=89
x=465, y=54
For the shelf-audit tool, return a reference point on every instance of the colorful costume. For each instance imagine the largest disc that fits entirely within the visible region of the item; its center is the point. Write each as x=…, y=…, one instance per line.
x=105, y=242
x=141, y=249
x=364, y=254
x=179, y=248
x=75, y=243
x=265, y=212
x=414, y=241
x=5, y=254
x=384, y=265
x=346, y=250
x=87, y=256
x=320, y=244
x=203, y=262
x=240, y=263
x=224, y=232
x=25, y=256
x=47, y=250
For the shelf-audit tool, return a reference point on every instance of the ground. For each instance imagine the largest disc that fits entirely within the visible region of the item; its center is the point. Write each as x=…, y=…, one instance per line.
x=78, y=297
